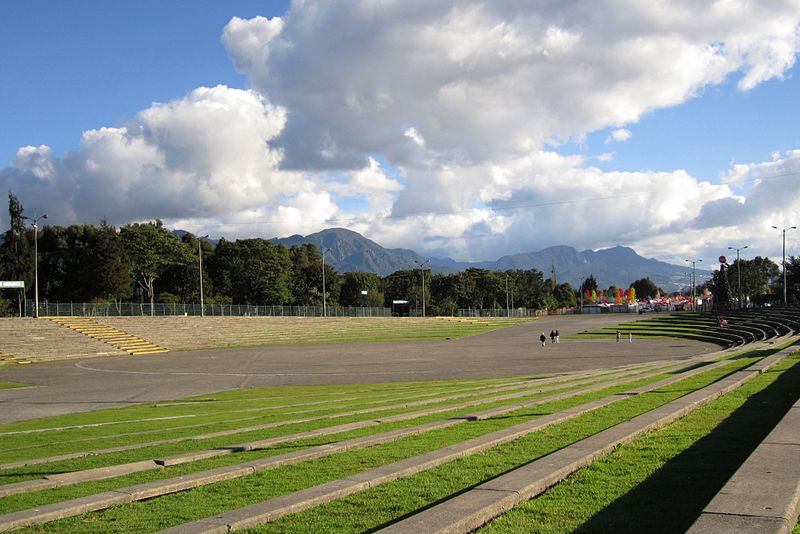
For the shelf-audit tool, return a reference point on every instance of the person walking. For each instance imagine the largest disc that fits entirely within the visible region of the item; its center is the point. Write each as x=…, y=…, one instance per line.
x=618, y=336
x=630, y=337
x=543, y=339
x=552, y=337
x=558, y=337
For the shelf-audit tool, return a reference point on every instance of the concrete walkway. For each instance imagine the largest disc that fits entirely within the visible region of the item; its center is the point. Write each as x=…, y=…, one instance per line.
x=763, y=496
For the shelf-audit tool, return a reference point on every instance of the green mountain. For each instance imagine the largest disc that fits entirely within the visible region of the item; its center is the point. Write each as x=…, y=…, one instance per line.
x=350, y=251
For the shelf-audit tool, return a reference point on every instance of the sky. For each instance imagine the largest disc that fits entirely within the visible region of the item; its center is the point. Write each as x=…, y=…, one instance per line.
x=470, y=129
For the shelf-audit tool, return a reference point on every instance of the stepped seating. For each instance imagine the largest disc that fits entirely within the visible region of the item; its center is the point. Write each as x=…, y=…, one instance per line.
x=111, y=336
x=193, y=333
x=32, y=340
x=462, y=511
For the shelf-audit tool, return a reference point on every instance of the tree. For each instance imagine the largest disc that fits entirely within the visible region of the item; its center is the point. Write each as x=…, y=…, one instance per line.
x=720, y=288
x=589, y=284
x=646, y=288
x=354, y=283
x=564, y=295
x=756, y=275
x=150, y=249
x=16, y=256
x=792, y=279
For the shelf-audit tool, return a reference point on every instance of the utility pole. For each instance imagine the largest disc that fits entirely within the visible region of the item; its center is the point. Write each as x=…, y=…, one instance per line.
x=739, y=274
x=34, y=223
x=694, y=284
x=783, y=230
x=200, y=262
x=422, y=269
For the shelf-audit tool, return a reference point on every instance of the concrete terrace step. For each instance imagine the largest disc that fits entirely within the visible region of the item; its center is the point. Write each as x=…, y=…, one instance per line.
x=36, y=340
x=763, y=496
x=116, y=338
x=100, y=473
x=472, y=509
x=605, y=441
x=154, y=489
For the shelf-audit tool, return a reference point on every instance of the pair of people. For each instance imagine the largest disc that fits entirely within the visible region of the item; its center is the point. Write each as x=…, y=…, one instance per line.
x=555, y=337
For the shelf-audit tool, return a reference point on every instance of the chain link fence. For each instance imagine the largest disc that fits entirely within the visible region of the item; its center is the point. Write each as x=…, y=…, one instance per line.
x=161, y=309
x=133, y=309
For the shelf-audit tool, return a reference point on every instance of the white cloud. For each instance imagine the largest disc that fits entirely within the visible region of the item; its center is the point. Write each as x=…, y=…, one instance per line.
x=443, y=121
x=620, y=135
x=205, y=155
x=480, y=79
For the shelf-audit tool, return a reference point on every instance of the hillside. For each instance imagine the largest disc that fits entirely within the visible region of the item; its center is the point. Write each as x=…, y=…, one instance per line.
x=350, y=251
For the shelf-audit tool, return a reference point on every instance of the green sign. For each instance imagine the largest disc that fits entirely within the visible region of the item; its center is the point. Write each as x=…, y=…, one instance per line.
x=12, y=285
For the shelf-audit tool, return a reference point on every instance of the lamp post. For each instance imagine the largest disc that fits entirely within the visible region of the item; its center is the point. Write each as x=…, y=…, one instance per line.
x=34, y=224
x=200, y=262
x=783, y=230
x=422, y=270
x=508, y=308
x=694, y=284
x=324, y=304
x=738, y=273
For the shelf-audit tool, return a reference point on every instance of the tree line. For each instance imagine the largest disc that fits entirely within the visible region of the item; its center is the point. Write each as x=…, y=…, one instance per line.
x=146, y=262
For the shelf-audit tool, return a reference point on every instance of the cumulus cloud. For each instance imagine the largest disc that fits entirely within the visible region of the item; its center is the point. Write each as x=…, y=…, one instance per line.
x=203, y=156
x=477, y=79
x=437, y=125
x=620, y=135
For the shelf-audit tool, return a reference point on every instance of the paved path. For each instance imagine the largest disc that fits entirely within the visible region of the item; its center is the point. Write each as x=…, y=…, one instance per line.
x=74, y=386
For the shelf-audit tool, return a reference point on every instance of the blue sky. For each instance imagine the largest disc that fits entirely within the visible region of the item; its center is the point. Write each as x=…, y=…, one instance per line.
x=73, y=66
x=411, y=122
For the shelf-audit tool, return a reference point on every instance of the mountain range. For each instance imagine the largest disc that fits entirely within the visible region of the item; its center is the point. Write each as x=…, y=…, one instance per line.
x=346, y=250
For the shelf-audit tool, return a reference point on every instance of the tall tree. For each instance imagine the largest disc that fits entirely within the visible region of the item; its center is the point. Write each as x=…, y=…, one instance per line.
x=646, y=288
x=112, y=275
x=16, y=256
x=354, y=283
x=150, y=249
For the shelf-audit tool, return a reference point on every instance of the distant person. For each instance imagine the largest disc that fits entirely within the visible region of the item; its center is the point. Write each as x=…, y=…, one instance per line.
x=552, y=337
x=558, y=337
x=630, y=337
x=618, y=335
x=543, y=339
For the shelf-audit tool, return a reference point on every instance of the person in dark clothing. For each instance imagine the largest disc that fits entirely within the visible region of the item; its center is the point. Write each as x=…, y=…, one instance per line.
x=543, y=339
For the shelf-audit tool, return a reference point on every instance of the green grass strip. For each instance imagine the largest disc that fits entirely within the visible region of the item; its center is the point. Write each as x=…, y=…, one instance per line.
x=11, y=385
x=202, y=502
x=660, y=482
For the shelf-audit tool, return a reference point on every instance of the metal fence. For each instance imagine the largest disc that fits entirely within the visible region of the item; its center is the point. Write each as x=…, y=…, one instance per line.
x=161, y=309
x=133, y=309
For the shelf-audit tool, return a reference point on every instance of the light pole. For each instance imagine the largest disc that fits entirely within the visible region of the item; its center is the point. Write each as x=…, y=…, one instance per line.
x=34, y=223
x=508, y=308
x=739, y=273
x=783, y=230
x=324, y=305
x=422, y=270
x=200, y=262
x=694, y=284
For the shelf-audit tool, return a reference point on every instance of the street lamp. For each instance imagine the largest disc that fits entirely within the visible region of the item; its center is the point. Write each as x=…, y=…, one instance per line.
x=739, y=273
x=421, y=268
x=508, y=308
x=694, y=284
x=324, y=306
x=34, y=223
x=783, y=230
x=200, y=261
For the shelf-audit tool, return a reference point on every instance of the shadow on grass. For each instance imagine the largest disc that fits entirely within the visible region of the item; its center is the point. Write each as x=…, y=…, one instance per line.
x=671, y=499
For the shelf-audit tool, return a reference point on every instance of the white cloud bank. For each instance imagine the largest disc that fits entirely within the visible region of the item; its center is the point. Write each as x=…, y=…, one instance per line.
x=466, y=103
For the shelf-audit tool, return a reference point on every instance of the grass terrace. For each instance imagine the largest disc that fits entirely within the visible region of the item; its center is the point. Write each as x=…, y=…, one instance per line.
x=240, y=448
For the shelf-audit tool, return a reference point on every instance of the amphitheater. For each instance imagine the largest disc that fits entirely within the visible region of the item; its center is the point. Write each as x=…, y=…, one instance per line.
x=428, y=434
